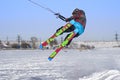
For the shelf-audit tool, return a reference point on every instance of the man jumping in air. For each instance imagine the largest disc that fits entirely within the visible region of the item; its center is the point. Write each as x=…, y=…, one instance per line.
x=75, y=26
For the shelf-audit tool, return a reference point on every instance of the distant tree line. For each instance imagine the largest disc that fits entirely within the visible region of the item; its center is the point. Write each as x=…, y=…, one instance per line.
x=33, y=43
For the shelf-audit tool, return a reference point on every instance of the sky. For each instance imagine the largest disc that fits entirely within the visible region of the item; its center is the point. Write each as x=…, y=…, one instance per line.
x=20, y=17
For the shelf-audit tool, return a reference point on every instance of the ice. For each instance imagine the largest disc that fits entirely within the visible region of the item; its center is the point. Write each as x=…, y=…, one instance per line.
x=71, y=64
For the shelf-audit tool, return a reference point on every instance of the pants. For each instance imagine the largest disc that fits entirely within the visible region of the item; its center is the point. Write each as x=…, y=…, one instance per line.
x=76, y=27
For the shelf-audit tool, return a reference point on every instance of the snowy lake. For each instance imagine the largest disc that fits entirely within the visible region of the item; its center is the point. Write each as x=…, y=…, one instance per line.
x=97, y=64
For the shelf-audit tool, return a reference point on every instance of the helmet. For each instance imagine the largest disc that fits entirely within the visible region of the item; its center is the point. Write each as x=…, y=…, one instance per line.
x=76, y=11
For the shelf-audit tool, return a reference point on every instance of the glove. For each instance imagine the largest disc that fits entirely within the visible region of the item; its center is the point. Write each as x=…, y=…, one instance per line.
x=60, y=16
x=57, y=14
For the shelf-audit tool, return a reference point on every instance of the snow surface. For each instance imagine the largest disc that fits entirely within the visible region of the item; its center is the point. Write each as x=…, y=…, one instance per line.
x=97, y=64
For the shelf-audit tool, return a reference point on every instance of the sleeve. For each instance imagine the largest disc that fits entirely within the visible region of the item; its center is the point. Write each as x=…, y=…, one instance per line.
x=68, y=19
